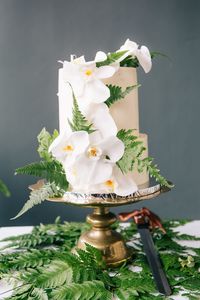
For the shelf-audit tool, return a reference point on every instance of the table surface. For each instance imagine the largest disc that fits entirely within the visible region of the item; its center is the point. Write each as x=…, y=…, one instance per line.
x=192, y=228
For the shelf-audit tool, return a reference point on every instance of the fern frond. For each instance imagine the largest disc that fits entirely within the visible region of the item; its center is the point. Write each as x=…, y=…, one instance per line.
x=133, y=149
x=21, y=292
x=64, y=235
x=32, y=258
x=148, y=165
x=130, y=61
x=45, y=139
x=89, y=290
x=36, y=197
x=132, y=155
x=39, y=294
x=52, y=171
x=116, y=93
x=79, y=122
x=111, y=58
x=57, y=274
x=3, y=189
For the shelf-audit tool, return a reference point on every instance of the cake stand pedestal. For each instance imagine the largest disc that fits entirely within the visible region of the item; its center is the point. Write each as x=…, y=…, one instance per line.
x=101, y=235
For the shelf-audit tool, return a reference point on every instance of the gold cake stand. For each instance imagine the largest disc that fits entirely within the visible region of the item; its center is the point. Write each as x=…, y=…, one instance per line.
x=101, y=235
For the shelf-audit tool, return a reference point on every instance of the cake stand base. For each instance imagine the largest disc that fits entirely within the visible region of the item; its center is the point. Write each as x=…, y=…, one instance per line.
x=101, y=236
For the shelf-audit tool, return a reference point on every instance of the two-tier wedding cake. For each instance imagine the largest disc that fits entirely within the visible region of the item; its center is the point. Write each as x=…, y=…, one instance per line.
x=99, y=148
x=98, y=108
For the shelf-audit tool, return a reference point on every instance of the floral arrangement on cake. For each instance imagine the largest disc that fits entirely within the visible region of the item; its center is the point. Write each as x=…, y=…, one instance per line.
x=90, y=154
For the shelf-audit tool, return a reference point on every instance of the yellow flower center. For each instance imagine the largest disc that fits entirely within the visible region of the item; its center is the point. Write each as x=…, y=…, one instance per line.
x=68, y=148
x=88, y=72
x=92, y=151
x=110, y=184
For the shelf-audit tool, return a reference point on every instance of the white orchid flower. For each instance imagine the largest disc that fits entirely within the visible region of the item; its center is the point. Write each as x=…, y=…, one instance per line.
x=68, y=146
x=99, y=115
x=96, y=164
x=143, y=55
x=119, y=184
x=86, y=79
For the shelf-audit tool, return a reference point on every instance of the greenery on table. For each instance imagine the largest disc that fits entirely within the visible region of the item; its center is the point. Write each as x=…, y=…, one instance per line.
x=41, y=266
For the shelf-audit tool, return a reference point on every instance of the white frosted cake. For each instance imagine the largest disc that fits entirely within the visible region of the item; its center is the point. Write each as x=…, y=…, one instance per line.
x=100, y=143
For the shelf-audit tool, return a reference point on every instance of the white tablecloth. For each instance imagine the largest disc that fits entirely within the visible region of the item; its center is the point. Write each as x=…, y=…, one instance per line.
x=192, y=228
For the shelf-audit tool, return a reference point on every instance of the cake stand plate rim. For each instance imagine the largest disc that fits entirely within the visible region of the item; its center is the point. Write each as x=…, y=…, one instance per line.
x=110, y=200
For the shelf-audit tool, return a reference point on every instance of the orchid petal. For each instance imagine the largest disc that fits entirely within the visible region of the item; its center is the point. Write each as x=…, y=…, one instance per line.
x=125, y=185
x=144, y=58
x=80, y=141
x=100, y=56
x=88, y=172
x=129, y=45
x=104, y=72
x=97, y=91
x=113, y=148
x=100, y=116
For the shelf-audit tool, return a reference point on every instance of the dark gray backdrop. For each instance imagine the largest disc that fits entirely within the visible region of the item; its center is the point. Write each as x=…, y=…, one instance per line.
x=34, y=34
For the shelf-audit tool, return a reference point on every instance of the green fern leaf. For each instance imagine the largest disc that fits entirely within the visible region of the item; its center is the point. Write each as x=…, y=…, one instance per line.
x=130, y=61
x=38, y=294
x=79, y=122
x=117, y=94
x=21, y=293
x=3, y=189
x=57, y=274
x=32, y=258
x=111, y=58
x=148, y=165
x=37, y=197
x=89, y=290
x=45, y=139
x=132, y=157
x=52, y=171
x=133, y=149
x=96, y=255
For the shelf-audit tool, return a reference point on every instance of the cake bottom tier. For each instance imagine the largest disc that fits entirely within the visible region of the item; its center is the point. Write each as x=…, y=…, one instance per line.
x=141, y=179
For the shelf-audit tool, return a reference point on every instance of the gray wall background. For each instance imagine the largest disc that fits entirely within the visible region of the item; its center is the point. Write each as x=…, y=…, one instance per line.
x=34, y=34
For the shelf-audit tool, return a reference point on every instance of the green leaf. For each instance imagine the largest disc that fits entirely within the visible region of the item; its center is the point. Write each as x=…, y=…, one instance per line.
x=3, y=189
x=132, y=156
x=52, y=171
x=57, y=274
x=147, y=164
x=37, y=197
x=116, y=93
x=126, y=294
x=156, y=53
x=30, y=259
x=38, y=294
x=133, y=149
x=45, y=140
x=111, y=58
x=89, y=290
x=79, y=122
x=130, y=61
